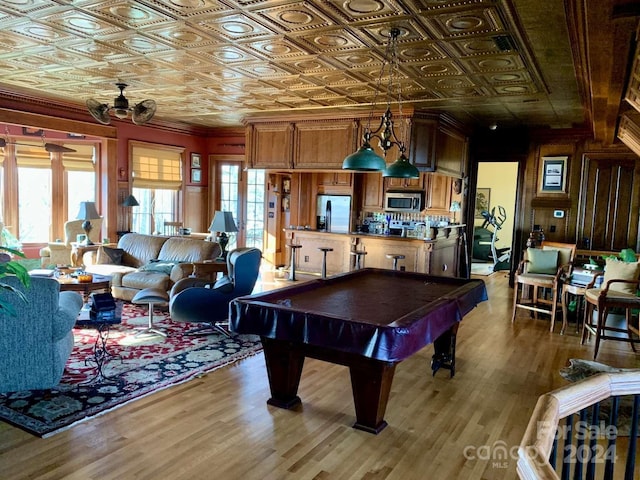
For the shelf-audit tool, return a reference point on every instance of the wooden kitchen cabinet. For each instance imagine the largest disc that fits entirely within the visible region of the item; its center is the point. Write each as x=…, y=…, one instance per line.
x=443, y=260
x=269, y=145
x=373, y=191
x=323, y=144
x=343, y=179
x=439, y=192
x=422, y=150
x=405, y=183
x=451, y=152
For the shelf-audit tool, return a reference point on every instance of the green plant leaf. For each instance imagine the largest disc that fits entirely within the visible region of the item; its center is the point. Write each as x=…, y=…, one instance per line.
x=628, y=255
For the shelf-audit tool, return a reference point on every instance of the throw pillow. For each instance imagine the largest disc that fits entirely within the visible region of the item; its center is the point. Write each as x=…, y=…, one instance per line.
x=109, y=256
x=542, y=261
x=615, y=269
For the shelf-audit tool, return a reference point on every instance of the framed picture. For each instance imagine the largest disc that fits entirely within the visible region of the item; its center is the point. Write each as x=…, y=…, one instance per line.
x=553, y=177
x=195, y=175
x=195, y=160
x=483, y=197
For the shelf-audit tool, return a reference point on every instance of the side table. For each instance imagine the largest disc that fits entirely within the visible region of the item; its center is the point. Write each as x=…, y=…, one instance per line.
x=573, y=289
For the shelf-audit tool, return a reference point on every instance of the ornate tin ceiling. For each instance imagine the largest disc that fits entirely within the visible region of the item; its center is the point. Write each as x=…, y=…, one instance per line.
x=216, y=62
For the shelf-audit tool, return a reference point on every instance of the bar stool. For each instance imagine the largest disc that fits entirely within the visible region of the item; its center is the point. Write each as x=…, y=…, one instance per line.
x=395, y=257
x=324, y=251
x=293, y=247
x=358, y=254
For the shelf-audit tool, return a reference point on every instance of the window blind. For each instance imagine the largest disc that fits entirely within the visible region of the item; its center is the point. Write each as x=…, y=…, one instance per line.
x=32, y=155
x=83, y=159
x=156, y=167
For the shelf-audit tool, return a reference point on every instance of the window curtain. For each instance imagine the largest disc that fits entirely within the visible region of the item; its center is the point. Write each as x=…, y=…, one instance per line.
x=82, y=160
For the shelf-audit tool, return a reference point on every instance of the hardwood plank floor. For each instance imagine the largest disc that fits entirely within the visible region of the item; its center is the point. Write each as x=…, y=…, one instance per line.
x=219, y=426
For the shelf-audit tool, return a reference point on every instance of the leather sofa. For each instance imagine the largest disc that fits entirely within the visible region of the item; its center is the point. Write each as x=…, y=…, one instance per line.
x=148, y=261
x=37, y=342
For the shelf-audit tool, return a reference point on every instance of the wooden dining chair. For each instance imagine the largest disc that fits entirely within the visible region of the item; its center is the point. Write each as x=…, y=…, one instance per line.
x=172, y=228
x=618, y=291
x=540, y=273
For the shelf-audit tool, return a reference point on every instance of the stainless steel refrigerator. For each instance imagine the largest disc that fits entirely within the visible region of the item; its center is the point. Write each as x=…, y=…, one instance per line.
x=334, y=213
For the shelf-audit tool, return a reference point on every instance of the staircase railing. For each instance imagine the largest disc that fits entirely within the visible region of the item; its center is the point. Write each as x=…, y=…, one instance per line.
x=583, y=445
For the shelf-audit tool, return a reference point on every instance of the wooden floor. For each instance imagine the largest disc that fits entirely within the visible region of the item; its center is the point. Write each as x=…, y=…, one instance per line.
x=220, y=427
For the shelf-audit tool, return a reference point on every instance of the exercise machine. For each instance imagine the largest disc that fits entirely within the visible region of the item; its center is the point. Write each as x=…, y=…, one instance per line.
x=501, y=257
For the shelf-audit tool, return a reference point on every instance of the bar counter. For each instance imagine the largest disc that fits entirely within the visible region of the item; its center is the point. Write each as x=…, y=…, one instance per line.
x=436, y=256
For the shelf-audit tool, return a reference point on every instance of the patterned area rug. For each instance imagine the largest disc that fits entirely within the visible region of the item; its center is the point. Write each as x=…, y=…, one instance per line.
x=579, y=369
x=139, y=365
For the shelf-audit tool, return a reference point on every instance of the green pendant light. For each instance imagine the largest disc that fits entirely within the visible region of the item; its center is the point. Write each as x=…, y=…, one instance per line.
x=365, y=159
x=401, y=168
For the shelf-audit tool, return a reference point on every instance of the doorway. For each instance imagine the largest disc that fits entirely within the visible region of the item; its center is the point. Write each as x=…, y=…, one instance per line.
x=242, y=193
x=494, y=215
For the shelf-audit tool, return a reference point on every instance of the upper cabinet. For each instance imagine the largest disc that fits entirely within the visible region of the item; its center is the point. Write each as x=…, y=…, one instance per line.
x=405, y=183
x=436, y=143
x=269, y=145
x=323, y=144
x=422, y=151
x=451, y=152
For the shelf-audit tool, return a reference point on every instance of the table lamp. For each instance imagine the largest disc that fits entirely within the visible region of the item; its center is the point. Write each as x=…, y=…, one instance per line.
x=455, y=207
x=223, y=223
x=87, y=213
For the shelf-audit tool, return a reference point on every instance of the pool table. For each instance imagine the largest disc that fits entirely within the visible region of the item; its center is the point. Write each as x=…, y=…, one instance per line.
x=369, y=320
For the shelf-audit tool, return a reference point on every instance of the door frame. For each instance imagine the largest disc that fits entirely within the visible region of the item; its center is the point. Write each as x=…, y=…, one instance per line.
x=215, y=163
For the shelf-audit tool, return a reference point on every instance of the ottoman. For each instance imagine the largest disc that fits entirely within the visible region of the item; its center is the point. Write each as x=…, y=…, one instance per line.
x=151, y=296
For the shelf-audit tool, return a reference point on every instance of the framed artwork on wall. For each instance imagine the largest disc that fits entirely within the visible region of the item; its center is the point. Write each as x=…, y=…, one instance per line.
x=195, y=175
x=553, y=175
x=483, y=198
x=195, y=160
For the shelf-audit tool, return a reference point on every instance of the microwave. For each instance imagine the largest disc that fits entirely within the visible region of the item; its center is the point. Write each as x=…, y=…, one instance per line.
x=403, y=201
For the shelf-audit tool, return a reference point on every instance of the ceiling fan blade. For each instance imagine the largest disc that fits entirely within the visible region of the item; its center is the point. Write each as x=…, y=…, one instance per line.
x=143, y=112
x=54, y=148
x=99, y=111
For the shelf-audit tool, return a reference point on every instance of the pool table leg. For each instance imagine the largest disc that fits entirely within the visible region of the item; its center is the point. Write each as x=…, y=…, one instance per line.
x=371, y=384
x=444, y=355
x=284, y=367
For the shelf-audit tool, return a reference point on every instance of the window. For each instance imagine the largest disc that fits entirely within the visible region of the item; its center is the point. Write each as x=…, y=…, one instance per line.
x=79, y=167
x=229, y=188
x=255, y=208
x=157, y=182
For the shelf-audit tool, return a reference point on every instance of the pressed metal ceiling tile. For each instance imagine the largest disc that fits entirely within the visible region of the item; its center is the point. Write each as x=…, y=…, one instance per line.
x=213, y=61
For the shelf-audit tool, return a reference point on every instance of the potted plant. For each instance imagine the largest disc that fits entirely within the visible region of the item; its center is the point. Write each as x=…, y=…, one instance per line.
x=11, y=267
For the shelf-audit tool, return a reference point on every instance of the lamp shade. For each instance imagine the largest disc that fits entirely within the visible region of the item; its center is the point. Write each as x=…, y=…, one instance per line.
x=364, y=160
x=223, y=222
x=401, y=168
x=130, y=201
x=87, y=211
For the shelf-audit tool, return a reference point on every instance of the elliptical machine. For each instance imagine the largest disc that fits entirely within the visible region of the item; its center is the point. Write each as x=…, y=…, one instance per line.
x=501, y=256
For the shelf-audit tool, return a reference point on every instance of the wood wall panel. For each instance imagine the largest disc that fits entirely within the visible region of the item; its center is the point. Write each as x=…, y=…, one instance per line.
x=609, y=202
x=196, y=209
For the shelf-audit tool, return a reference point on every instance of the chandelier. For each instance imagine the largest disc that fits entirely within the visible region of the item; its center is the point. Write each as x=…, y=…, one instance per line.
x=365, y=159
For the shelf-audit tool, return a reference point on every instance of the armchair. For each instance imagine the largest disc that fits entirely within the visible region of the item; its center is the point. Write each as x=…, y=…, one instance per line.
x=542, y=268
x=199, y=301
x=619, y=290
x=37, y=342
x=59, y=253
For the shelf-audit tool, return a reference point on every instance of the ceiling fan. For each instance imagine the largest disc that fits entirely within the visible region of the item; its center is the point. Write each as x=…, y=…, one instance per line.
x=49, y=147
x=140, y=114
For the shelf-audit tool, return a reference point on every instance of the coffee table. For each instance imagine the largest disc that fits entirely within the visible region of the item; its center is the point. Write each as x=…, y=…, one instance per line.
x=99, y=283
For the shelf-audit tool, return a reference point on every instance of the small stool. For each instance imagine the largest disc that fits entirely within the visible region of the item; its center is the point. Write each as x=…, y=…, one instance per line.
x=293, y=247
x=324, y=251
x=395, y=257
x=151, y=296
x=358, y=255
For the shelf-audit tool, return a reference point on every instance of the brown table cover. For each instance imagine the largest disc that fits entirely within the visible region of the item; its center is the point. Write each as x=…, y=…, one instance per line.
x=382, y=314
